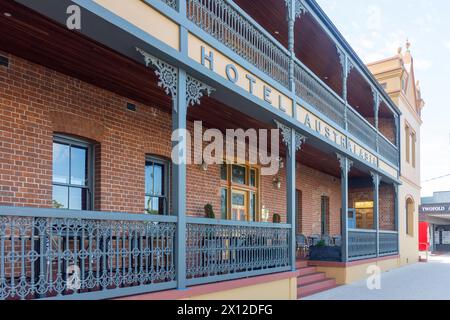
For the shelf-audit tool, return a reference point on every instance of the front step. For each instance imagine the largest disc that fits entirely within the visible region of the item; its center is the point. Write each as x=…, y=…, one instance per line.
x=310, y=282
x=304, y=291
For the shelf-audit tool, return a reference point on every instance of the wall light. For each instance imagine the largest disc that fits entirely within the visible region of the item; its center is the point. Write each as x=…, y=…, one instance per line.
x=277, y=183
x=204, y=166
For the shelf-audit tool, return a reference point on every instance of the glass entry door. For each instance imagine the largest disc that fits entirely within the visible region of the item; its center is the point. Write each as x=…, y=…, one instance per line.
x=239, y=205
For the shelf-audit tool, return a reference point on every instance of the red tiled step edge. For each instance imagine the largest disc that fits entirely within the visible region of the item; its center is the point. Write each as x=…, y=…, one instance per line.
x=301, y=264
x=311, y=278
x=315, y=287
x=306, y=271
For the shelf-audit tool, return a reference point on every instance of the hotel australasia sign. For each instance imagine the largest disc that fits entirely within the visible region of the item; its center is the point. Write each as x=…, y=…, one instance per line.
x=214, y=60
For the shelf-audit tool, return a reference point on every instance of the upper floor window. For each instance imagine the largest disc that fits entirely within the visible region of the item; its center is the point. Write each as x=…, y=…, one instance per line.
x=413, y=148
x=239, y=193
x=408, y=143
x=156, y=186
x=72, y=173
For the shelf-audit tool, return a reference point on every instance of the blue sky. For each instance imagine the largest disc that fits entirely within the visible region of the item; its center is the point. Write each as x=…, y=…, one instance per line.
x=375, y=29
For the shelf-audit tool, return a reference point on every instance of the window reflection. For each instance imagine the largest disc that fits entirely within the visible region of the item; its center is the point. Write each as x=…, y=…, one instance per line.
x=156, y=200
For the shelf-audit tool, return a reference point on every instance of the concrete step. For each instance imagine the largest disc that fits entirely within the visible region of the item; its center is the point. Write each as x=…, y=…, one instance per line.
x=306, y=271
x=301, y=264
x=315, y=287
x=311, y=278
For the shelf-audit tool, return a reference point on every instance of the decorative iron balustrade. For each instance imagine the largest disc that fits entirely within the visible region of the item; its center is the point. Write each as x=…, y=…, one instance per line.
x=171, y=3
x=233, y=28
x=226, y=250
x=362, y=244
x=388, y=150
x=361, y=129
x=59, y=254
x=388, y=243
x=318, y=95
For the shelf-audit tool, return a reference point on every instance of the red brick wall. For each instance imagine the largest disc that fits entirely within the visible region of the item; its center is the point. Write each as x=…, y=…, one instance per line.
x=386, y=127
x=315, y=184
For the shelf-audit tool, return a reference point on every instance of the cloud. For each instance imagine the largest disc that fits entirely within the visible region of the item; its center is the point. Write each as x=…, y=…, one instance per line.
x=374, y=18
x=422, y=64
x=447, y=44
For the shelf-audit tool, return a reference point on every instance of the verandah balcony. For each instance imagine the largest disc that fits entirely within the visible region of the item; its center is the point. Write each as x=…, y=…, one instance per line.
x=227, y=22
x=60, y=254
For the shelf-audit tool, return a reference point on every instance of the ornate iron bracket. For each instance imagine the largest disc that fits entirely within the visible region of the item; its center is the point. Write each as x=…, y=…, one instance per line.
x=195, y=90
x=168, y=80
x=167, y=74
x=376, y=179
x=286, y=133
x=344, y=163
x=346, y=63
x=299, y=10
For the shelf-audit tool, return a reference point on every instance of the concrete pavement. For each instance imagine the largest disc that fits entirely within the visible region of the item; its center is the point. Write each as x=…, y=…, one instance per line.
x=421, y=281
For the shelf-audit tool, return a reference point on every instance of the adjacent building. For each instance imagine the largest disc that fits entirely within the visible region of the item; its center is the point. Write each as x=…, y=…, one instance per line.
x=396, y=76
x=435, y=219
x=93, y=204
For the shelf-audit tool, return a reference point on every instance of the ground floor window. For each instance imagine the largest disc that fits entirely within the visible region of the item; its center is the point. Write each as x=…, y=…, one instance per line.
x=240, y=193
x=156, y=186
x=364, y=215
x=72, y=173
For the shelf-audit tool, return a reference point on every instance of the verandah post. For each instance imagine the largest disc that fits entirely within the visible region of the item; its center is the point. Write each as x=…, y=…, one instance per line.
x=179, y=112
x=290, y=189
x=345, y=164
x=376, y=205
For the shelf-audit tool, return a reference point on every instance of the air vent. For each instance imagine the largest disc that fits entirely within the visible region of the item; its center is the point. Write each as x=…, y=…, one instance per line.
x=131, y=107
x=4, y=61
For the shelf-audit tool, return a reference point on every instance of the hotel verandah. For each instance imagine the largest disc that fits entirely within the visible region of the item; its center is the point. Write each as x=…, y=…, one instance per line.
x=86, y=125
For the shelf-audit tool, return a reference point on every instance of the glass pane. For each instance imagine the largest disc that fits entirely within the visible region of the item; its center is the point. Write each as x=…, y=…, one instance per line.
x=78, y=168
x=239, y=174
x=149, y=178
x=158, y=180
x=253, y=178
x=154, y=205
x=238, y=199
x=78, y=199
x=223, y=172
x=252, y=206
x=60, y=197
x=60, y=163
x=224, y=204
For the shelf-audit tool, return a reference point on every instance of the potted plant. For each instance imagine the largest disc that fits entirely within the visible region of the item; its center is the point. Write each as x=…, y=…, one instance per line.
x=276, y=218
x=209, y=212
x=322, y=252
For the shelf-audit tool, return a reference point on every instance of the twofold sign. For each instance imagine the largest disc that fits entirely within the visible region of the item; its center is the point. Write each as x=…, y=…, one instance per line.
x=435, y=208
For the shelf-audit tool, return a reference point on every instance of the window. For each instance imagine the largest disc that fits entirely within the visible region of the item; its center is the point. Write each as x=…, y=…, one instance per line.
x=325, y=215
x=72, y=174
x=156, y=186
x=413, y=149
x=239, y=193
x=408, y=143
x=410, y=217
x=364, y=215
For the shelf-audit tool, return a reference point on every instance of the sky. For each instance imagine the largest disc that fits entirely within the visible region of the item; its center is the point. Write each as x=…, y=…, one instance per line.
x=376, y=29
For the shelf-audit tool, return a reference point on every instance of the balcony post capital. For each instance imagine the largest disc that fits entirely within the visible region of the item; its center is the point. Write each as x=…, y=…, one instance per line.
x=345, y=163
x=296, y=9
x=291, y=136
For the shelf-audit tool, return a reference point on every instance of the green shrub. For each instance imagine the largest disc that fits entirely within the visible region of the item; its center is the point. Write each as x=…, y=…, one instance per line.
x=209, y=212
x=276, y=218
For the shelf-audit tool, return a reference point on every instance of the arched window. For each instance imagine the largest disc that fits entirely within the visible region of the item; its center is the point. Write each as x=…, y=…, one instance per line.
x=410, y=217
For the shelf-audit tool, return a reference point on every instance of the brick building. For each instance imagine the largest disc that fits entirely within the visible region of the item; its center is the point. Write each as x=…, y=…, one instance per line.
x=86, y=128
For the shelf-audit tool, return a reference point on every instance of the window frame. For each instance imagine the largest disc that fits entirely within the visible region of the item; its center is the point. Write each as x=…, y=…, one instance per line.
x=166, y=190
x=231, y=187
x=90, y=185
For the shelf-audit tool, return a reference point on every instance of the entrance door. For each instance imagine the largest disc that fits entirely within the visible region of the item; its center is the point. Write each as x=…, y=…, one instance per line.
x=239, y=205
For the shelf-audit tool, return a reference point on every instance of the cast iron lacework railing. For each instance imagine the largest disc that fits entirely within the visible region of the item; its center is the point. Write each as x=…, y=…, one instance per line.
x=220, y=19
x=47, y=253
x=225, y=250
x=171, y=3
x=388, y=150
x=361, y=129
x=318, y=95
x=388, y=242
x=362, y=244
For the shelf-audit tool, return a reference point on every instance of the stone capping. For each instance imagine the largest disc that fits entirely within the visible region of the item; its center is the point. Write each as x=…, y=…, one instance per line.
x=331, y=264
